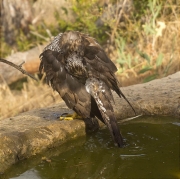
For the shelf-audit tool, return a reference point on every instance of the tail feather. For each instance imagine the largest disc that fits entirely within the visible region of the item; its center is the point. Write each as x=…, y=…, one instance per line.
x=121, y=94
x=101, y=94
x=115, y=132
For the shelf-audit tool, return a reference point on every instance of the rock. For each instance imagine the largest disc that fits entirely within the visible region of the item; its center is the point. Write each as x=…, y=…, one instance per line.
x=158, y=97
x=35, y=131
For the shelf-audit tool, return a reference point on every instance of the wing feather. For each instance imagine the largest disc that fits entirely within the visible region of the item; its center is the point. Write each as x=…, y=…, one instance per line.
x=70, y=89
x=101, y=67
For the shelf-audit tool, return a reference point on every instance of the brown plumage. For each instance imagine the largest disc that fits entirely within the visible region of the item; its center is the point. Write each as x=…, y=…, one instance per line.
x=77, y=67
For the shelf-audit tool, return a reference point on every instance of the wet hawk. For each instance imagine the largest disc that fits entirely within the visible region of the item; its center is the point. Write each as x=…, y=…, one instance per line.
x=77, y=67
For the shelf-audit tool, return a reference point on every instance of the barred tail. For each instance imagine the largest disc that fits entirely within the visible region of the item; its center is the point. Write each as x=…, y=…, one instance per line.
x=102, y=95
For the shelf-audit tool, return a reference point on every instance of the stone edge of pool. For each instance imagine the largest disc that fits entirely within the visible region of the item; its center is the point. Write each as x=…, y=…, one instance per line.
x=33, y=132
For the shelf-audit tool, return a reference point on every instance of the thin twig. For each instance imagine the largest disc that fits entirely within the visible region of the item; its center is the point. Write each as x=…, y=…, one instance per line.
x=39, y=35
x=117, y=21
x=18, y=68
x=21, y=64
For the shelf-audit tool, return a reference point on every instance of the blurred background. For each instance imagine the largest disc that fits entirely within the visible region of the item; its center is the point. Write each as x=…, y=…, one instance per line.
x=141, y=37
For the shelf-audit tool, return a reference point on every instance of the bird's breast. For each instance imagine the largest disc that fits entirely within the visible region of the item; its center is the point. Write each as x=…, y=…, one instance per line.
x=75, y=67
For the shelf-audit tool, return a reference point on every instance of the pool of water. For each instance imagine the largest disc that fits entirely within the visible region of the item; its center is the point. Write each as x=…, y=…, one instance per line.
x=152, y=150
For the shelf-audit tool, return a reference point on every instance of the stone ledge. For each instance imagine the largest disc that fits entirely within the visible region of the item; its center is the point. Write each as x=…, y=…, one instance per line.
x=35, y=131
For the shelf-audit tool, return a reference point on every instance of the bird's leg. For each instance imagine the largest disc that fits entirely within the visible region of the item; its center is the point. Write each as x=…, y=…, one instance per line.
x=66, y=116
x=91, y=125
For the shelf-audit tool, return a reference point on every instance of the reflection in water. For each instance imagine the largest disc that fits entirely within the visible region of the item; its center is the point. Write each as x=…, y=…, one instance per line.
x=30, y=174
x=176, y=123
x=151, y=151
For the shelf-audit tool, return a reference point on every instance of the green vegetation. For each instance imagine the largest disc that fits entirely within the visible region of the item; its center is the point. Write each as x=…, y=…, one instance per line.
x=147, y=46
x=86, y=13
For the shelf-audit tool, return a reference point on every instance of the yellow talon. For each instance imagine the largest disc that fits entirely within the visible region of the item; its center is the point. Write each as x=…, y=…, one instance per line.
x=70, y=117
x=66, y=118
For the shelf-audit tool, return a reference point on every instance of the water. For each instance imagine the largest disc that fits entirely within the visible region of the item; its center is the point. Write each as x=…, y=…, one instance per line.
x=151, y=151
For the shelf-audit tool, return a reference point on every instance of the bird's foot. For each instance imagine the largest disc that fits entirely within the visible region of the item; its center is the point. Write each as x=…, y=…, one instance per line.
x=69, y=117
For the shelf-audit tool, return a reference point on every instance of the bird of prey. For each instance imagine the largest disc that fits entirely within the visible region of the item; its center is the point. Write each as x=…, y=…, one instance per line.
x=77, y=67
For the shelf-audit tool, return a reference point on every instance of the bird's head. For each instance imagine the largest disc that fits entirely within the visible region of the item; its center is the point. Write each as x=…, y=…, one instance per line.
x=71, y=42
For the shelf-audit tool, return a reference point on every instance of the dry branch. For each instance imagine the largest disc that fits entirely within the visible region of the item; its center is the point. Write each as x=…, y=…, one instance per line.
x=18, y=67
x=32, y=61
